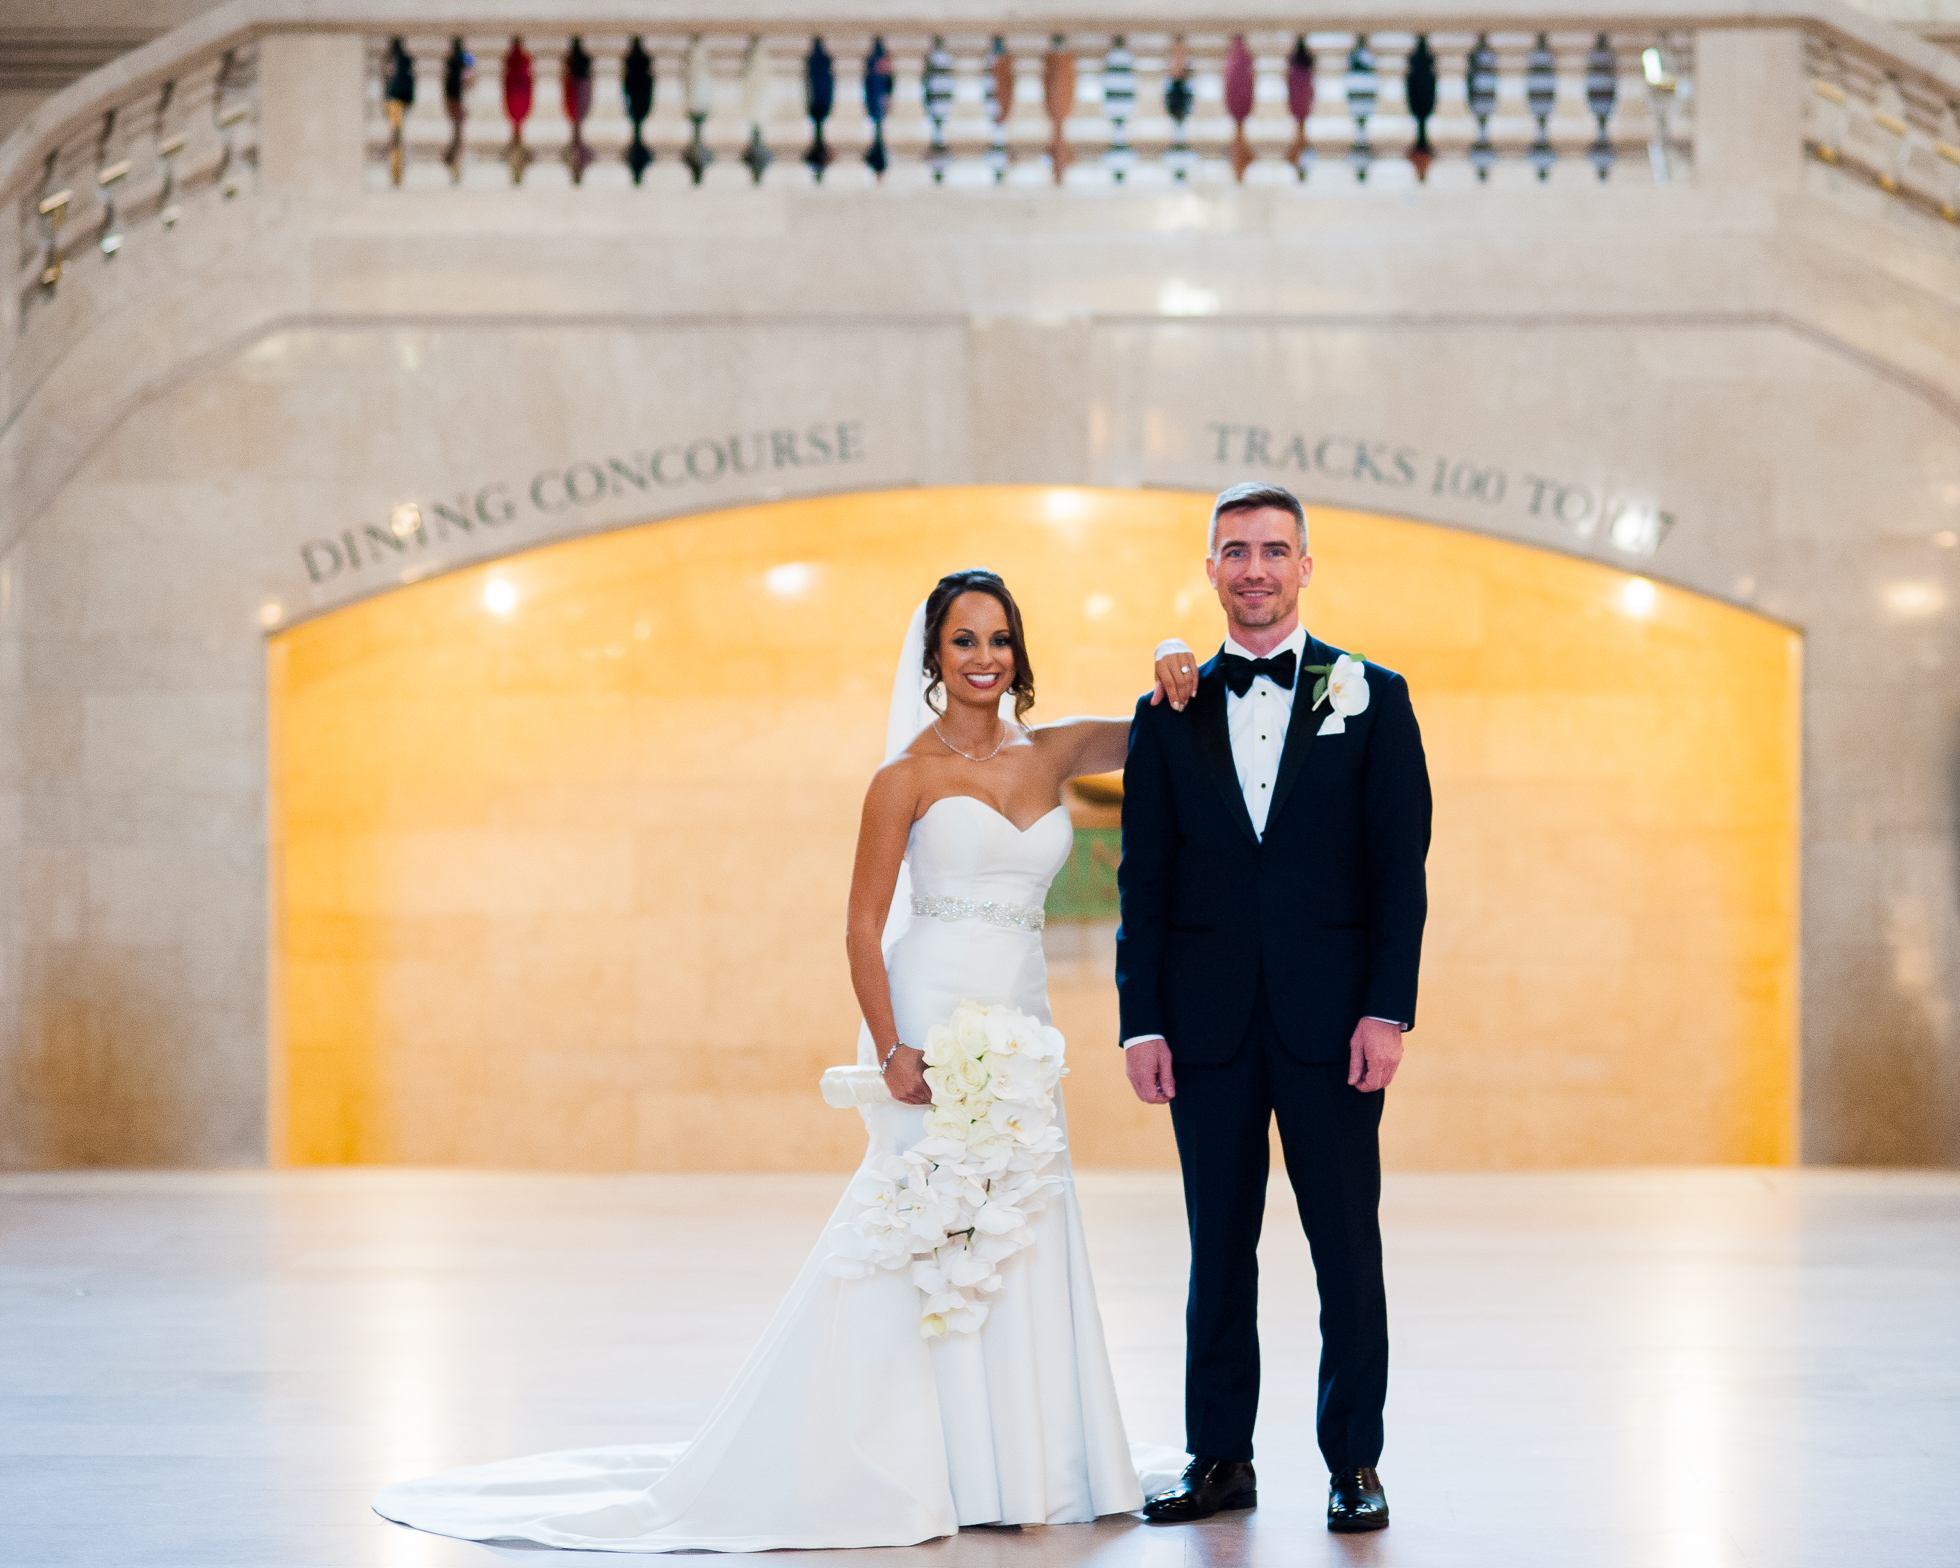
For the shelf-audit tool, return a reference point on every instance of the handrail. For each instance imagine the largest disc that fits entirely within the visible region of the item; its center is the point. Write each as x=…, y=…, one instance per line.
x=239, y=22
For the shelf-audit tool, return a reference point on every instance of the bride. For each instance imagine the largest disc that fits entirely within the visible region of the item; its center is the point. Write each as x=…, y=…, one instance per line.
x=857, y=1421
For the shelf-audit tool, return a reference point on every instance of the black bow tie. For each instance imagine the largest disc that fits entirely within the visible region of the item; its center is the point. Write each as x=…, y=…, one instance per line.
x=1240, y=673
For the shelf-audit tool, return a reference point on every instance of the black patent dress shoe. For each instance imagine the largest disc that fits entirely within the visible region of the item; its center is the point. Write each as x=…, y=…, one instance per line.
x=1356, y=1501
x=1208, y=1486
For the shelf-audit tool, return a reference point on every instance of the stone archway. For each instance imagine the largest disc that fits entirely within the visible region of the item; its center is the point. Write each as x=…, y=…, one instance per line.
x=560, y=842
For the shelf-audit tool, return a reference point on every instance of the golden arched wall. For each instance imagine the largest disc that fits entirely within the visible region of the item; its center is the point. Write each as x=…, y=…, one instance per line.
x=561, y=844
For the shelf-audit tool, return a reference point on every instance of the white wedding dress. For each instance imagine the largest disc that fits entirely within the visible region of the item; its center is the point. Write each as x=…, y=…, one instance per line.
x=845, y=1427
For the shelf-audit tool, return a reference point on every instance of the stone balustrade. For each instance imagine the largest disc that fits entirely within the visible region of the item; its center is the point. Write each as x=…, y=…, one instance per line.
x=1893, y=128
x=1321, y=109
x=1325, y=109
x=139, y=162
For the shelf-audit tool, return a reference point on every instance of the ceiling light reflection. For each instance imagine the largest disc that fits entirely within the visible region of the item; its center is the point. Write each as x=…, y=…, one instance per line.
x=499, y=597
x=791, y=580
x=1915, y=600
x=1178, y=298
x=1637, y=597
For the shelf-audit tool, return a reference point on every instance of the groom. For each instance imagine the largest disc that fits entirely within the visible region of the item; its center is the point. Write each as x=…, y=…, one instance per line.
x=1274, y=832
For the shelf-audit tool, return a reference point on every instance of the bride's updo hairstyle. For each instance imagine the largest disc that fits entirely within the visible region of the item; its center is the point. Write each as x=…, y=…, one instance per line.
x=975, y=579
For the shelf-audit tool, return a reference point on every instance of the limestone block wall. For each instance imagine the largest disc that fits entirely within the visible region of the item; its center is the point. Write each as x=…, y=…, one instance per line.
x=1747, y=385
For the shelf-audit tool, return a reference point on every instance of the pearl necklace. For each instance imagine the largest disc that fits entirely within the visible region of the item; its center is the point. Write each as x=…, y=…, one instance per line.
x=967, y=754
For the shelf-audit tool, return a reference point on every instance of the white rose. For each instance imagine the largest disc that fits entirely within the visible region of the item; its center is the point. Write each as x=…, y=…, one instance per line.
x=970, y=1029
x=941, y=1045
x=968, y=1076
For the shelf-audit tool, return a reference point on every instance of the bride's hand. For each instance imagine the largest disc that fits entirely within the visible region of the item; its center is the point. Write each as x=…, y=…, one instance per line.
x=1177, y=679
x=905, y=1076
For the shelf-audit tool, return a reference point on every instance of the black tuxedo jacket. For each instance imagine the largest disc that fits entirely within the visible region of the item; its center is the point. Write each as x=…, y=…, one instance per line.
x=1331, y=904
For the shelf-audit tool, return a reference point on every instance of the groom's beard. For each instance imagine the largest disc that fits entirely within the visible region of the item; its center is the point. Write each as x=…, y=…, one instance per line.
x=1259, y=613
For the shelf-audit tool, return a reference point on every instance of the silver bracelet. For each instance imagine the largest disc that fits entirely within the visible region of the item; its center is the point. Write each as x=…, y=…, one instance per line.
x=888, y=1057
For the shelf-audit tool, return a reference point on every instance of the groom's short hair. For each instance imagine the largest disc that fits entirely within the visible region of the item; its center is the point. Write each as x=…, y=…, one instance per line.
x=1252, y=496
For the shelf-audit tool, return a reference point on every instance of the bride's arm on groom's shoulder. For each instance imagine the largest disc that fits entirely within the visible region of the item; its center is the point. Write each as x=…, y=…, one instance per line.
x=1087, y=744
x=889, y=806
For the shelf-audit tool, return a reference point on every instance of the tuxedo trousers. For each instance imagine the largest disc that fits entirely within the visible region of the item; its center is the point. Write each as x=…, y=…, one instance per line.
x=1329, y=1133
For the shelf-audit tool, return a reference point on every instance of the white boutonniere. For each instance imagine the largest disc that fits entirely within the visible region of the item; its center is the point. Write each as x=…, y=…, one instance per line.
x=1343, y=686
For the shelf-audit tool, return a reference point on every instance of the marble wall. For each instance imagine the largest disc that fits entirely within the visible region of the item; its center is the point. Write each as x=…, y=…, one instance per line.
x=1747, y=386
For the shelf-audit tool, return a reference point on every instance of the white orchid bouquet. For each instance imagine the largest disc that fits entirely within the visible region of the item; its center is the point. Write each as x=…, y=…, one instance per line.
x=957, y=1203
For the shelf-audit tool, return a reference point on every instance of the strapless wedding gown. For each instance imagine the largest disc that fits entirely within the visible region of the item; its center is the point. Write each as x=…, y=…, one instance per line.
x=844, y=1427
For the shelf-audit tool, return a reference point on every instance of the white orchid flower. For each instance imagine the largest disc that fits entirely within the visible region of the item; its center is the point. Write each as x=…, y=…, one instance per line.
x=956, y=1204
x=1346, y=695
x=1022, y=1123
x=967, y=1318
x=1017, y=1079
x=965, y=1268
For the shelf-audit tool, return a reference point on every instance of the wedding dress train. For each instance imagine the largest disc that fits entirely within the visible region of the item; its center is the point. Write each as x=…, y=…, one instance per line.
x=844, y=1427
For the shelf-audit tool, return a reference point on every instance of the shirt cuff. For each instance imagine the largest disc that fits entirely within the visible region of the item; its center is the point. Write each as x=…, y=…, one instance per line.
x=1138, y=1039
x=1165, y=649
x=1395, y=1021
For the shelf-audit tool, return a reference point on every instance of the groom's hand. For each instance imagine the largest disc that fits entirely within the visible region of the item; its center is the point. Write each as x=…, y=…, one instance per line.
x=1373, y=1054
x=1148, y=1063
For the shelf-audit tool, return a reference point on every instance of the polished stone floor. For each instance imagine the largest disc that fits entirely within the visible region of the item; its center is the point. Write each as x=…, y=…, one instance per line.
x=1708, y=1369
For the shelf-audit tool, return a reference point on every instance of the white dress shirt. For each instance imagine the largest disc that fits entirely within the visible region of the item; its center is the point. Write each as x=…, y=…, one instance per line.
x=1257, y=724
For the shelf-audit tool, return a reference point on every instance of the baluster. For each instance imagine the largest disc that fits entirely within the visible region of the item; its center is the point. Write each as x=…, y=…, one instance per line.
x=1000, y=104
x=1119, y=88
x=1178, y=98
x=398, y=90
x=1419, y=92
x=1480, y=92
x=227, y=121
x=819, y=95
x=877, y=103
x=1602, y=93
x=1540, y=94
x=1362, y=90
x=757, y=88
x=107, y=177
x=1946, y=145
x=700, y=104
x=1889, y=115
x=576, y=85
x=457, y=72
x=936, y=91
x=1239, y=83
x=636, y=82
x=168, y=212
x=1299, y=104
x=1830, y=86
x=1058, y=94
x=52, y=209
x=1657, y=70
x=517, y=107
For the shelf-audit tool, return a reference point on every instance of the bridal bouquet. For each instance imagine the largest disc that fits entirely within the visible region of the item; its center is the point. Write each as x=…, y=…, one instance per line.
x=957, y=1202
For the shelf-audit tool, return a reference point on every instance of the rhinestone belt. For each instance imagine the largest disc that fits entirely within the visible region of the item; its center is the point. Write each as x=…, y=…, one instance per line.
x=1022, y=917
